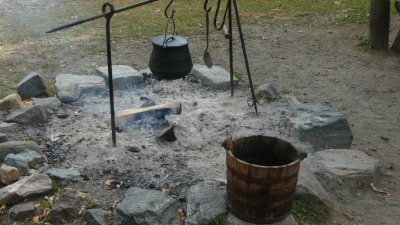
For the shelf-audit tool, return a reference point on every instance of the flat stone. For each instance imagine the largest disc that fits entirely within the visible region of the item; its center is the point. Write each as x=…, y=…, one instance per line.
x=10, y=103
x=66, y=208
x=3, y=137
x=314, y=123
x=345, y=163
x=63, y=176
x=95, y=217
x=232, y=220
x=22, y=211
x=31, y=86
x=309, y=189
x=25, y=160
x=32, y=186
x=215, y=78
x=31, y=114
x=47, y=103
x=8, y=128
x=267, y=91
x=146, y=207
x=87, y=84
x=69, y=92
x=206, y=202
x=16, y=147
x=9, y=174
x=123, y=76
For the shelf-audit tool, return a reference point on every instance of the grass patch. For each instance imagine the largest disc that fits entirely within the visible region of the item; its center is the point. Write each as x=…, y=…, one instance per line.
x=307, y=213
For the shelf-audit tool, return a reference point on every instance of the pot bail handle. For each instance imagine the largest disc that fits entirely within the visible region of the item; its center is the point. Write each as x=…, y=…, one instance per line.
x=170, y=18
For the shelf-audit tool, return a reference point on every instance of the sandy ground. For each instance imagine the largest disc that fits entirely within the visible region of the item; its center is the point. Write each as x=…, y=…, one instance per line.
x=312, y=63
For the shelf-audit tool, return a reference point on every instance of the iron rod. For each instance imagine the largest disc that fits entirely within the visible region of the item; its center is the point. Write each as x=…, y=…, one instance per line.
x=109, y=65
x=230, y=45
x=104, y=14
x=246, y=60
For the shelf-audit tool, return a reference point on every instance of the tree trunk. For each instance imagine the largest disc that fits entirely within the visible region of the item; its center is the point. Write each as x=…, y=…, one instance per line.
x=379, y=24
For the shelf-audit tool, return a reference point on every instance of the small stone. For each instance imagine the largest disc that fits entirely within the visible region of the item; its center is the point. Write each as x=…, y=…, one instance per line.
x=267, y=91
x=8, y=128
x=66, y=208
x=87, y=84
x=31, y=86
x=215, y=78
x=32, y=186
x=146, y=207
x=10, y=103
x=16, y=147
x=22, y=211
x=3, y=137
x=9, y=174
x=123, y=76
x=133, y=149
x=63, y=176
x=94, y=217
x=25, y=160
x=344, y=163
x=69, y=92
x=47, y=103
x=32, y=114
x=205, y=203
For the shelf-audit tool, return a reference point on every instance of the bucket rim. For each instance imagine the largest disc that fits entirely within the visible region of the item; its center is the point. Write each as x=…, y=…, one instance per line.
x=298, y=160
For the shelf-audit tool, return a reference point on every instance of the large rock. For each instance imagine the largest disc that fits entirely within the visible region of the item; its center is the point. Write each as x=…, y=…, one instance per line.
x=10, y=103
x=3, y=137
x=123, y=76
x=95, y=217
x=87, y=84
x=31, y=86
x=47, y=103
x=146, y=207
x=63, y=176
x=31, y=114
x=9, y=174
x=319, y=125
x=206, y=202
x=16, y=147
x=345, y=163
x=232, y=220
x=309, y=189
x=22, y=211
x=8, y=128
x=69, y=92
x=66, y=208
x=215, y=78
x=25, y=160
x=32, y=186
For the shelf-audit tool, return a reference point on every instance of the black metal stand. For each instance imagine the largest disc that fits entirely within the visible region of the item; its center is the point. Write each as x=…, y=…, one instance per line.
x=108, y=15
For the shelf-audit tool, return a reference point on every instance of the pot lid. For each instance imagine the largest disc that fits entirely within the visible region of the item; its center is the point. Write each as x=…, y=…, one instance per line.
x=173, y=41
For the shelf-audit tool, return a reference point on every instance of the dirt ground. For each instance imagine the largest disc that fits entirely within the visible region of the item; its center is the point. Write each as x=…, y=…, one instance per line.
x=301, y=58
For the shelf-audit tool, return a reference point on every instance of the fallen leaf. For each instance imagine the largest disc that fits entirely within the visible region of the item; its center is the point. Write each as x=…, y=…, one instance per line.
x=349, y=216
x=77, y=113
x=109, y=182
x=181, y=216
x=3, y=209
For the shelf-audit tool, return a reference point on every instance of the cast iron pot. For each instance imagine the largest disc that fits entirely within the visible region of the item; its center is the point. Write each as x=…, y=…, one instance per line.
x=170, y=58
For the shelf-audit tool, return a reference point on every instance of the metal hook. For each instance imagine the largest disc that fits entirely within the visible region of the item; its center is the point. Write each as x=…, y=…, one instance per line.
x=250, y=103
x=166, y=10
x=224, y=17
x=205, y=6
x=104, y=7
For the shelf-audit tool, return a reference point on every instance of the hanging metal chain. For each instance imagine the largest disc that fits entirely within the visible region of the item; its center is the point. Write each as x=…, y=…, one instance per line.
x=216, y=15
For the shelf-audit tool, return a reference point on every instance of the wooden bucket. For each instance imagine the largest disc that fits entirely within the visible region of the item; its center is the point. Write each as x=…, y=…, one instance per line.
x=261, y=178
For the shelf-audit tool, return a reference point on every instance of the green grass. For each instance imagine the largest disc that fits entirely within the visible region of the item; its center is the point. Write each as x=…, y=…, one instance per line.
x=306, y=213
